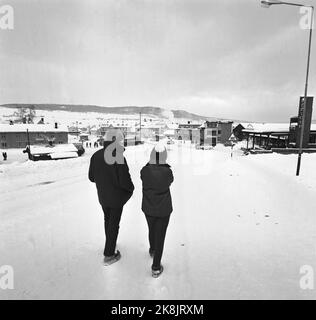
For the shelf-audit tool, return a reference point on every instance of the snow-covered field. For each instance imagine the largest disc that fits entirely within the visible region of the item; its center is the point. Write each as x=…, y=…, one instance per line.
x=241, y=229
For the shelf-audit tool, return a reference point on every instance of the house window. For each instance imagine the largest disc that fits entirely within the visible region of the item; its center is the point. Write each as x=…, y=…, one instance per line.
x=214, y=132
x=219, y=132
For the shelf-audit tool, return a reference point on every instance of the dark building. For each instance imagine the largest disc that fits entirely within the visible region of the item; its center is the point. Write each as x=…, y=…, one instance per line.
x=213, y=132
x=20, y=135
x=209, y=133
x=188, y=131
x=238, y=131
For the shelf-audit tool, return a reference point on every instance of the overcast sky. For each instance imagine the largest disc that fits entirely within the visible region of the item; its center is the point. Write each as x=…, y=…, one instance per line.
x=223, y=58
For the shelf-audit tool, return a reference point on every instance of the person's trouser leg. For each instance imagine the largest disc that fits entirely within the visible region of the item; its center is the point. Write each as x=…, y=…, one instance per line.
x=160, y=229
x=112, y=218
x=151, y=232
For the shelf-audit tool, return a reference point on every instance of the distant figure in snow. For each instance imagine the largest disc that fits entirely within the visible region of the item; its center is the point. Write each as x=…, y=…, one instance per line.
x=157, y=177
x=110, y=172
x=5, y=156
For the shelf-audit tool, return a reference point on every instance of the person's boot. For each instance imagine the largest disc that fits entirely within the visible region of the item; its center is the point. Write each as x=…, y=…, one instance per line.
x=108, y=260
x=157, y=273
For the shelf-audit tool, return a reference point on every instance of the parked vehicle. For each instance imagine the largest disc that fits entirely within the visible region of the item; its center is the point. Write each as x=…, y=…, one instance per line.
x=201, y=146
x=54, y=152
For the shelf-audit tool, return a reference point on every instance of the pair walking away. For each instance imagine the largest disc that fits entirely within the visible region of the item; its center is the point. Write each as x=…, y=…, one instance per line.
x=109, y=171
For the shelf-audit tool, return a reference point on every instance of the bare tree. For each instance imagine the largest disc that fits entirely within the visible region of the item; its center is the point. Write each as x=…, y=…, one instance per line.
x=25, y=114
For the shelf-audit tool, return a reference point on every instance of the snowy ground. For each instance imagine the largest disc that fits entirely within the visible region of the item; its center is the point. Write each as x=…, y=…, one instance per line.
x=241, y=229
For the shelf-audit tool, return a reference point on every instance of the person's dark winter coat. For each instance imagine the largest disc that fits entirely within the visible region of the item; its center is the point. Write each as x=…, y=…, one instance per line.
x=157, y=178
x=157, y=205
x=113, y=181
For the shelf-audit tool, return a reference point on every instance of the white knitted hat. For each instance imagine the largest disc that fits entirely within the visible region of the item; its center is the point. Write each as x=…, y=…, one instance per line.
x=160, y=147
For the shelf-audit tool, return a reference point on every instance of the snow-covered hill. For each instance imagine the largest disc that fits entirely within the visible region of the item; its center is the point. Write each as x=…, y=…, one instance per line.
x=90, y=115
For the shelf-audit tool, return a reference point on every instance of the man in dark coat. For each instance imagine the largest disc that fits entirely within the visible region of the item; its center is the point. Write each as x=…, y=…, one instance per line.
x=110, y=172
x=157, y=204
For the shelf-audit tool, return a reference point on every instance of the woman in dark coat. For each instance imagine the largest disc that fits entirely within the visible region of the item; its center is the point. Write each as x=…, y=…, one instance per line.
x=157, y=204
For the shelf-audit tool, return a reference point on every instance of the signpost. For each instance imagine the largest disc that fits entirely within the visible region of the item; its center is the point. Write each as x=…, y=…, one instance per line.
x=233, y=140
x=304, y=123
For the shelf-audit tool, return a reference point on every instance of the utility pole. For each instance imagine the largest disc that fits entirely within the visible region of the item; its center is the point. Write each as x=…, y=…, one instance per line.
x=77, y=129
x=267, y=4
x=28, y=137
x=305, y=96
x=29, y=145
x=140, y=127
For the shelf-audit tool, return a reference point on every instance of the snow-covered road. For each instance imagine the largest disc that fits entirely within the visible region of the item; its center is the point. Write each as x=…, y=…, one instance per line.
x=241, y=228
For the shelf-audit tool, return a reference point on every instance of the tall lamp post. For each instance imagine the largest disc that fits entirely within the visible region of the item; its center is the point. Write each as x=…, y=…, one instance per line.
x=267, y=4
x=140, y=127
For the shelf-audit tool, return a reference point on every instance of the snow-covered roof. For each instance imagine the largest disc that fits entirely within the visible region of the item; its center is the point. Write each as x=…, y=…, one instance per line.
x=150, y=126
x=172, y=126
x=169, y=132
x=32, y=128
x=269, y=127
x=59, y=148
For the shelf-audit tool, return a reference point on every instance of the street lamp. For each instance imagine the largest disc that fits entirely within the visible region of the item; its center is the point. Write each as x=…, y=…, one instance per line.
x=268, y=4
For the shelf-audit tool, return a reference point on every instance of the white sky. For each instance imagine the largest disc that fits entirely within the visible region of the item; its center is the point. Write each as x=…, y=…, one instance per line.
x=224, y=58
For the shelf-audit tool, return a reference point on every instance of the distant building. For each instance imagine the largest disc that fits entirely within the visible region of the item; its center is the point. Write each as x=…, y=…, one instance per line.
x=275, y=135
x=150, y=130
x=83, y=137
x=170, y=133
x=238, y=131
x=15, y=135
x=188, y=131
x=211, y=132
x=126, y=129
x=73, y=131
x=281, y=135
